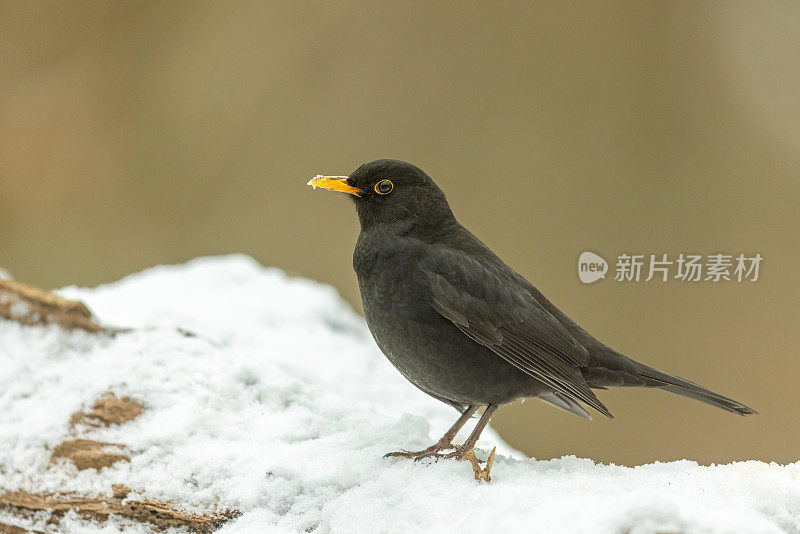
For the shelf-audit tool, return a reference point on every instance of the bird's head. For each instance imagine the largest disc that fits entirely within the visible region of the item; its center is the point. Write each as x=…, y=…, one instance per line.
x=392, y=192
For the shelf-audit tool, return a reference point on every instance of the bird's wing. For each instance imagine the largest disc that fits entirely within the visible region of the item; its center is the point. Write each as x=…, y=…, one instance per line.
x=494, y=310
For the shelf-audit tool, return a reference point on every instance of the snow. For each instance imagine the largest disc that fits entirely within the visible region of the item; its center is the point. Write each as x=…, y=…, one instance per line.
x=20, y=309
x=281, y=406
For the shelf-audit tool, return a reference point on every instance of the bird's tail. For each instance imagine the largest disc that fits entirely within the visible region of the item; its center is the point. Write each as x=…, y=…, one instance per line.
x=677, y=385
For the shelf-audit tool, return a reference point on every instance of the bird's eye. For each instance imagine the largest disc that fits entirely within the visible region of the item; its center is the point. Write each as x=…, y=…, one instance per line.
x=384, y=187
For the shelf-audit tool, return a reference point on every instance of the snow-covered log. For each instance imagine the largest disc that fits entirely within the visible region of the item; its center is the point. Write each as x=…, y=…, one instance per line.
x=250, y=401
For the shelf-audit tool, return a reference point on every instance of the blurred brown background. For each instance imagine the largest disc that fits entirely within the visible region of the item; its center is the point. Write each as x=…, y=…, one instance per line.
x=136, y=133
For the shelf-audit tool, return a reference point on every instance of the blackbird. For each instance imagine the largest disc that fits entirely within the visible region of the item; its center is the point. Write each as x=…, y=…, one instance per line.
x=463, y=326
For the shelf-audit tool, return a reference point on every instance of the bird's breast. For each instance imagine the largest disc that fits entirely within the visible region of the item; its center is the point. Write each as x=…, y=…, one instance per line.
x=384, y=265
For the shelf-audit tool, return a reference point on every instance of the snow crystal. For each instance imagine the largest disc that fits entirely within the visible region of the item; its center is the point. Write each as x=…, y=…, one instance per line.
x=266, y=394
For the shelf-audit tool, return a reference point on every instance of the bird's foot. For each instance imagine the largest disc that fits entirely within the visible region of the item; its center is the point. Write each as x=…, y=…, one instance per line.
x=480, y=474
x=430, y=452
x=460, y=453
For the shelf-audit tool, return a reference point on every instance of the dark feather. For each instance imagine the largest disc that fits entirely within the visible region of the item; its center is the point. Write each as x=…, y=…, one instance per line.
x=494, y=311
x=564, y=403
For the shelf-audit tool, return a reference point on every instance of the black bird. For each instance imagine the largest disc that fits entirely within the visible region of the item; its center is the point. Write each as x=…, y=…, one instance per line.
x=463, y=326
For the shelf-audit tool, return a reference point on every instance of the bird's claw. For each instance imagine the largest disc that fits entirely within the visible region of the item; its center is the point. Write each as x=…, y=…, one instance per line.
x=480, y=474
x=430, y=452
x=435, y=455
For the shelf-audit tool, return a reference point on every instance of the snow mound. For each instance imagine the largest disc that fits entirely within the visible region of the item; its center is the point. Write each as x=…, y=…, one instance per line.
x=266, y=394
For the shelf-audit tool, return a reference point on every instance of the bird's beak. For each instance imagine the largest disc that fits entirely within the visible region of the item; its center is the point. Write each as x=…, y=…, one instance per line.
x=334, y=183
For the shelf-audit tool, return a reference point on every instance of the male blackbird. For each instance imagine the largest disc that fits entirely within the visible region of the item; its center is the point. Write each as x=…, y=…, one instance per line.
x=463, y=326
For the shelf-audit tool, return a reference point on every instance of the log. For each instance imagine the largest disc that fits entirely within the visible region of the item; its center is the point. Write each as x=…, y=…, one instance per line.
x=161, y=515
x=33, y=306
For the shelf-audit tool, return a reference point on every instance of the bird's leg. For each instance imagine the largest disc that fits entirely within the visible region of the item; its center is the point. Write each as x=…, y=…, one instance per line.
x=476, y=433
x=445, y=443
x=466, y=451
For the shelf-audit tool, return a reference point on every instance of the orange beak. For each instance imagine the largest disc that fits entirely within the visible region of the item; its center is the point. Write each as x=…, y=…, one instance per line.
x=334, y=183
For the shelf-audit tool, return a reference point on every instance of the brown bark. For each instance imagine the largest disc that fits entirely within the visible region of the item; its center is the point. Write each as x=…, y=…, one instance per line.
x=90, y=454
x=159, y=514
x=11, y=529
x=33, y=306
x=109, y=410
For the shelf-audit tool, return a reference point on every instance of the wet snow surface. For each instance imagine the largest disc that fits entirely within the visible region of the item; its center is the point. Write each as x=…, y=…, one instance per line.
x=281, y=406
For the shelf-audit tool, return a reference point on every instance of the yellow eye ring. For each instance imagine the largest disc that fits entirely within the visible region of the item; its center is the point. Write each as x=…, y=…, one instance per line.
x=384, y=187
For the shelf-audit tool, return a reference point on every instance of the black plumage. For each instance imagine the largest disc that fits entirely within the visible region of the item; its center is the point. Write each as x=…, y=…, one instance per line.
x=463, y=326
